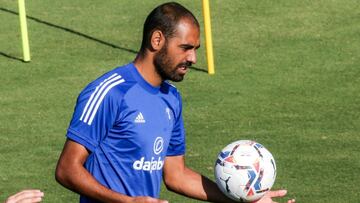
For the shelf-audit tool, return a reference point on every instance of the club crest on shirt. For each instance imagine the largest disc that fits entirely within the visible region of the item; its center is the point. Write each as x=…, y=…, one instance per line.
x=168, y=111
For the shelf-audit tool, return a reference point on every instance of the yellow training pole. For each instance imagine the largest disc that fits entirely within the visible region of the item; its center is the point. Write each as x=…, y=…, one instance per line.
x=208, y=39
x=24, y=32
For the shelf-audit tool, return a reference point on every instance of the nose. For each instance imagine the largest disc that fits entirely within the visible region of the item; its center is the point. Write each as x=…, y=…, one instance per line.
x=191, y=57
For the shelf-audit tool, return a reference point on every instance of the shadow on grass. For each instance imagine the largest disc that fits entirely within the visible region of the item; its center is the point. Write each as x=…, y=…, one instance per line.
x=76, y=33
x=198, y=69
x=71, y=31
x=10, y=57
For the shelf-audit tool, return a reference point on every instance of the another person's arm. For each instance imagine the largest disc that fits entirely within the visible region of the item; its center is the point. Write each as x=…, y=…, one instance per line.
x=182, y=180
x=71, y=173
x=26, y=196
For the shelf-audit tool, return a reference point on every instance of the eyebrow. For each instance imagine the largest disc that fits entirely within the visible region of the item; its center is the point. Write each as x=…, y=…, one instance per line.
x=189, y=46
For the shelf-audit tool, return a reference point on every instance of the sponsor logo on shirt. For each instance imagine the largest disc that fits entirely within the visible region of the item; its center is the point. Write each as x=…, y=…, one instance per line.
x=151, y=165
x=154, y=164
x=158, y=145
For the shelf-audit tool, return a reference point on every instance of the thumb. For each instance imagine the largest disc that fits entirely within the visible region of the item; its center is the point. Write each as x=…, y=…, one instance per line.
x=277, y=193
x=163, y=201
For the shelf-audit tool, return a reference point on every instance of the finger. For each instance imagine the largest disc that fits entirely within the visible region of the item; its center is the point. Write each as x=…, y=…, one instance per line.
x=154, y=200
x=24, y=194
x=27, y=194
x=27, y=191
x=291, y=201
x=31, y=200
x=277, y=193
x=20, y=193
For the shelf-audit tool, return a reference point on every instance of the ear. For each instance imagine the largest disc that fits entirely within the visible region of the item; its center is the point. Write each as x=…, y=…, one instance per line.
x=157, y=40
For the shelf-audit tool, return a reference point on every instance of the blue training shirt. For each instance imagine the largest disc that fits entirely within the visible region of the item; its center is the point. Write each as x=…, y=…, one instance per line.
x=128, y=126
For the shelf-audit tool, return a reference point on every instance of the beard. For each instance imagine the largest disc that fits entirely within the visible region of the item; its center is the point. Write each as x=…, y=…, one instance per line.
x=165, y=68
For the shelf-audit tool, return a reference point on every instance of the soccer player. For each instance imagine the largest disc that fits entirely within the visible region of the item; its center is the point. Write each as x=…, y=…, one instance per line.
x=127, y=131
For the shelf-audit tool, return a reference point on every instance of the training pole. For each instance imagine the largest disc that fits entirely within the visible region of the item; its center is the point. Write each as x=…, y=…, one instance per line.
x=208, y=39
x=24, y=32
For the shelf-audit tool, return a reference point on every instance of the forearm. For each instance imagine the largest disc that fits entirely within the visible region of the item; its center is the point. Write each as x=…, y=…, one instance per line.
x=213, y=192
x=195, y=185
x=82, y=182
x=71, y=173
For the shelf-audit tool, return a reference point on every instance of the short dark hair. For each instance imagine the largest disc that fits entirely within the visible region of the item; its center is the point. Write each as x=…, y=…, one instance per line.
x=164, y=18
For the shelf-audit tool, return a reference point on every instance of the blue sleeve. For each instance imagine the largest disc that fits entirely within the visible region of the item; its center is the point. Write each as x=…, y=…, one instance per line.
x=93, y=117
x=177, y=142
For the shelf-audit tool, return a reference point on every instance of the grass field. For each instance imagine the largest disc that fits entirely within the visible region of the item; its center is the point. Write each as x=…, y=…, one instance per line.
x=287, y=76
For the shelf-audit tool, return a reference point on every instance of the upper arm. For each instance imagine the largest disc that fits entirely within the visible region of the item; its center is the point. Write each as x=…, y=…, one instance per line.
x=174, y=168
x=177, y=145
x=73, y=155
x=74, y=152
x=95, y=113
x=181, y=179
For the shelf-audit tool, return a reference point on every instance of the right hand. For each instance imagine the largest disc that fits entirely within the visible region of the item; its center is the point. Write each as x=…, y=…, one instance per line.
x=145, y=199
x=271, y=194
x=26, y=196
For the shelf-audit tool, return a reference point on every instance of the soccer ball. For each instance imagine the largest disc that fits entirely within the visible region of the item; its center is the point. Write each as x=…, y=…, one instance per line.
x=245, y=170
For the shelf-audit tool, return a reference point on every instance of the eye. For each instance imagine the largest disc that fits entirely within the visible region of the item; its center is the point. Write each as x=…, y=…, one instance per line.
x=186, y=47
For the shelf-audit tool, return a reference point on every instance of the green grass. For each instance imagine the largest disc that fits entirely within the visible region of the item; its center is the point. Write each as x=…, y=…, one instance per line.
x=287, y=75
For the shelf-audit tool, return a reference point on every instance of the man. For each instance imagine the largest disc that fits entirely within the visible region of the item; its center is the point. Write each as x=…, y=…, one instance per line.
x=127, y=132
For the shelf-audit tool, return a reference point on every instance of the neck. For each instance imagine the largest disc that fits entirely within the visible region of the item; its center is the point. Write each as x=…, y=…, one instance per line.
x=145, y=65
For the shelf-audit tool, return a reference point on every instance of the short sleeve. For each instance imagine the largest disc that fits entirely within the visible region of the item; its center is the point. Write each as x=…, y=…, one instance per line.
x=177, y=142
x=94, y=115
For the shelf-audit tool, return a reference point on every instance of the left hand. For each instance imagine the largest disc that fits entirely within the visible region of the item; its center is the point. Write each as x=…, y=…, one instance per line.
x=277, y=193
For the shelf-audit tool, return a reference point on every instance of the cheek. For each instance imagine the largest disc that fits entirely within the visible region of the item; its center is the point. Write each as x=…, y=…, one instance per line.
x=178, y=58
x=172, y=61
x=176, y=54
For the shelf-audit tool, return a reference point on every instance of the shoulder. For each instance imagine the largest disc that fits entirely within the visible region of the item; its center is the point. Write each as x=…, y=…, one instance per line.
x=114, y=83
x=172, y=96
x=170, y=89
